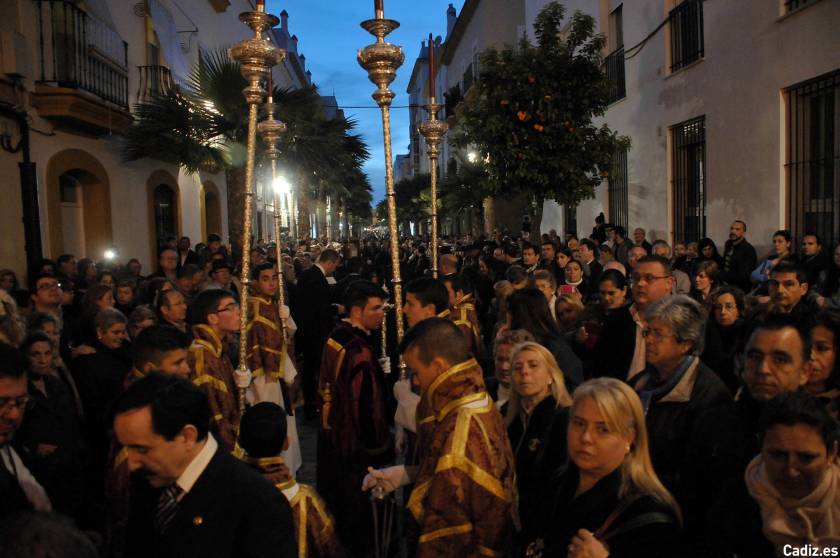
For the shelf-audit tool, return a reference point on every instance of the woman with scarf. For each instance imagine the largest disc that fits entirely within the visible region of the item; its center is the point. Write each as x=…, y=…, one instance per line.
x=794, y=483
x=690, y=415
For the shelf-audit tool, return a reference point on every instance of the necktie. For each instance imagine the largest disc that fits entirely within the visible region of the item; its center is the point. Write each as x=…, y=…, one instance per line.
x=166, y=507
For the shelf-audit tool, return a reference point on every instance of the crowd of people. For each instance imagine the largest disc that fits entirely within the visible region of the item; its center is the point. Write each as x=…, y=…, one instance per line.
x=581, y=397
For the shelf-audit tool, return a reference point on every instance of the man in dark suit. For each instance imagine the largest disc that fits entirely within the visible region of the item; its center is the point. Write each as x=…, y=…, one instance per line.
x=185, y=254
x=19, y=490
x=315, y=319
x=188, y=496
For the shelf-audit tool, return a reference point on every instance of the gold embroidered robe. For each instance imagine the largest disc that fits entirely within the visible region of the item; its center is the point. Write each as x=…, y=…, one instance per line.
x=465, y=317
x=266, y=348
x=212, y=371
x=464, y=499
x=316, y=536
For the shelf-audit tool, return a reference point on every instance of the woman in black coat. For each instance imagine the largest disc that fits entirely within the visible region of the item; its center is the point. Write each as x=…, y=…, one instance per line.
x=536, y=417
x=100, y=377
x=50, y=437
x=609, y=499
x=528, y=310
x=724, y=335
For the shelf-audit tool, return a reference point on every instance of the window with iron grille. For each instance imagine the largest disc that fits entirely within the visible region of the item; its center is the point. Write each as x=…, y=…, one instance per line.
x=792, y=5
x=686, y=23
x=813, y=157
x=570, y=218
x=469, y=78
x=618, y=190
x=688, y=179
x=614, y=62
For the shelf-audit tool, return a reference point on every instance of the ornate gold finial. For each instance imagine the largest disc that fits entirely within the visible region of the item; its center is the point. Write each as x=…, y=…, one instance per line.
x=256, y=56
x=270, y=131
x=381, y=60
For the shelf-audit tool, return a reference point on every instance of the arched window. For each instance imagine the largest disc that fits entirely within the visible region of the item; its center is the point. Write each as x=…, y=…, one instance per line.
x=166, y=214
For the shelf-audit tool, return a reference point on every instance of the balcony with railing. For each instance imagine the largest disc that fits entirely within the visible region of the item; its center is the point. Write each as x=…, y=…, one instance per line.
x=154, y=81
x=82, y=81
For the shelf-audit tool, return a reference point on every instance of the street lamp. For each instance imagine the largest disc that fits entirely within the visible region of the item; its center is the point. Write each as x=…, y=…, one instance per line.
x=472, y=156
x=282, y=186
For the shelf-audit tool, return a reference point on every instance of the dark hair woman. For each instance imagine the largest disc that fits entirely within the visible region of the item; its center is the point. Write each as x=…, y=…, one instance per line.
x=823, y=376
x=528, y=309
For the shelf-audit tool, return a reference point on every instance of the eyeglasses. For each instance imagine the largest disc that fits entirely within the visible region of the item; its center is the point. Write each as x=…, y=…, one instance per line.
x=45, y=286
x=656, y=335
x=8, y=403
x=727, y=306
x=228, y=308
x=646, y=277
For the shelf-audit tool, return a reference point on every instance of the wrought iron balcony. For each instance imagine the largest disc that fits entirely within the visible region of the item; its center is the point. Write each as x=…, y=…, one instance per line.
x=153, y=81
x=82, y=78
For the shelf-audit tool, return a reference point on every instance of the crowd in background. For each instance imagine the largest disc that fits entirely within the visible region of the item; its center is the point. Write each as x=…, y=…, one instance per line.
x=658, y=400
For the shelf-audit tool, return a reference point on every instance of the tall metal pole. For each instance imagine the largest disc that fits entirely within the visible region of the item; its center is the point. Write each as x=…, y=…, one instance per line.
x=256, y=56
x=433, y=131
x=381, y=61
x=270, y=130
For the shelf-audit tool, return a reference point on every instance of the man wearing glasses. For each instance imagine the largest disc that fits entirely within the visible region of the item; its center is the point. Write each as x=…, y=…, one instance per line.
x=19, y=489
x=216, y=314
x=622, y=353
x=46, y=294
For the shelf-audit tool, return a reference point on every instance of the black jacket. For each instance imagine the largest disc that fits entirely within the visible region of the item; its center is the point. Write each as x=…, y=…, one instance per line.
x=695, y=446
x=540, y=451
x=657, y=536
x=12, y=498
x=52, y=420
x=741, y=263
x=566, y=358
x=813, y=266
x=231, y=511
x=616, y=345
x=315, y=313
x=192, y=258
x=99, y=377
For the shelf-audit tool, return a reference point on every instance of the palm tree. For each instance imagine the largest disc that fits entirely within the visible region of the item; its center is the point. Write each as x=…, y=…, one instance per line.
x=203, y=126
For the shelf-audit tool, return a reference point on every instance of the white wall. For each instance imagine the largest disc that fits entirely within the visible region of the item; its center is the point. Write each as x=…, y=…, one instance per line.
x=751, y=55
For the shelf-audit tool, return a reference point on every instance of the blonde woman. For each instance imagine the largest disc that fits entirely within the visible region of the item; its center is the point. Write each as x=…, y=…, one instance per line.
x=609, y=502
x=536, y=419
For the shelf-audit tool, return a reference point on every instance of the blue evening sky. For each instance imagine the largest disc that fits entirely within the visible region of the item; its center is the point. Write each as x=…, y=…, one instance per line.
x=329, y=35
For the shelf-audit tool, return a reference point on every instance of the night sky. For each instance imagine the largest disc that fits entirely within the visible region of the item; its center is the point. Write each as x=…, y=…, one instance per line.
x=329, y=36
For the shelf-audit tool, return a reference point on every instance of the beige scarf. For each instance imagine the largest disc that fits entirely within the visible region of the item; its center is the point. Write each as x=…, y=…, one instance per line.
x=814, y=519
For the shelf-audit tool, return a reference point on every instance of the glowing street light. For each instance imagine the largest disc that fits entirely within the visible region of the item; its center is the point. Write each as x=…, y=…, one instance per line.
x=472, y=156
x=282, y=186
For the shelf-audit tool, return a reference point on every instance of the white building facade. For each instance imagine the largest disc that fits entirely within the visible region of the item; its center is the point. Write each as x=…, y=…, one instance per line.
x=733, y=110
x=74, y=70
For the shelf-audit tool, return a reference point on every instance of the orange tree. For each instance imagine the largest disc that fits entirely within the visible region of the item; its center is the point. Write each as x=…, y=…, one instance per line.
x=530, y=114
